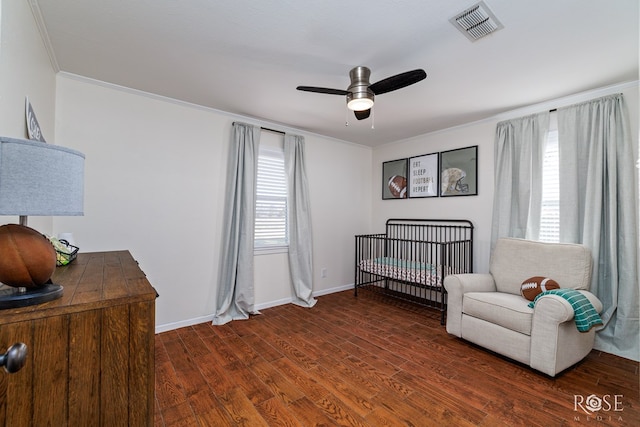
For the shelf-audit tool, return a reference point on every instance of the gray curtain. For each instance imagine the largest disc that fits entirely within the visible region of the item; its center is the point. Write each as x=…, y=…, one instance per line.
x=235, y=297
x=598, y=208
x=519, y=154
x=299, y=219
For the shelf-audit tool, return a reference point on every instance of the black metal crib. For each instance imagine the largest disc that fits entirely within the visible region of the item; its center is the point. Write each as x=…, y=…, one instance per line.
x=411, y=259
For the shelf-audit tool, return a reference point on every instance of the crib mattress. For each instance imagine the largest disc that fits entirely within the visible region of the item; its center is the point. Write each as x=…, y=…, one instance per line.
x=408, y=271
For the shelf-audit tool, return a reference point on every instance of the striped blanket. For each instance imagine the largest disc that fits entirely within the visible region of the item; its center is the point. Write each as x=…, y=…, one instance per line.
x=585, y=314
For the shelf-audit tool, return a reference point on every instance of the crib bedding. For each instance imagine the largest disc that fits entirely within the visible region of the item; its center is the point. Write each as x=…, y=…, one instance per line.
x=405, y=270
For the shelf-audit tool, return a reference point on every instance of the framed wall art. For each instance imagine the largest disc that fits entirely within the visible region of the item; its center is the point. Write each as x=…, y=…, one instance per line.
x=459, y=172
x=394, y=179
x=33, y=127
x=423, y=176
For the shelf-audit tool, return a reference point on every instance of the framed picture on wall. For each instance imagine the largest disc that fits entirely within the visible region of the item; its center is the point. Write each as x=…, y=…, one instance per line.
x=394, y=179
x=459, y=172
x=33, y=127
x=423, y=176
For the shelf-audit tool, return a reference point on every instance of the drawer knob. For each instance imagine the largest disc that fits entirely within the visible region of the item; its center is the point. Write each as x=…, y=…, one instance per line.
x=15, y=358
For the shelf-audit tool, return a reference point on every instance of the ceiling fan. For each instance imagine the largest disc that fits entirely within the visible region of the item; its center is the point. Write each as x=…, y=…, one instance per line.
x=360, y=93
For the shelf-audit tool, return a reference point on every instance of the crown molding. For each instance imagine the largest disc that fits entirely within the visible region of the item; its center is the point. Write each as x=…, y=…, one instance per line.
x=553, y=104
x=42, y=28
x=281, y=127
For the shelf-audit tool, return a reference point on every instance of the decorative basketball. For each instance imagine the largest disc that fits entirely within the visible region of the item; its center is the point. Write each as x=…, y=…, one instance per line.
x=535, y=285
x=398, y=186
x=27, y=258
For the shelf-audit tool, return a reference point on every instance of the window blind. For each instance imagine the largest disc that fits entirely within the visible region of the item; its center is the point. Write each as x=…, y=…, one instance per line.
x=550, y=215
x=271, y=200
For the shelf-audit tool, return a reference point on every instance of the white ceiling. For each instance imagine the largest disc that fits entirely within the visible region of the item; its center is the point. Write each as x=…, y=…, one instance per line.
x=247, y=56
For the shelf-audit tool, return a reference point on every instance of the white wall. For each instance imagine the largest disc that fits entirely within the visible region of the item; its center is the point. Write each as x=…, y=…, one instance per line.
x=154, y=184
x=478, y=208
x=25, y=71
x=339, y=211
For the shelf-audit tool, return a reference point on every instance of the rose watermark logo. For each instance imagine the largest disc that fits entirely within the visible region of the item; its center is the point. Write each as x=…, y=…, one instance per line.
x=607, y=406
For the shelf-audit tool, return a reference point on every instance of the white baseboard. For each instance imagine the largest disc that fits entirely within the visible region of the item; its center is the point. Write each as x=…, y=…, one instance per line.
x=190, y=322
x=333, y=290
x=275, y=303
x=183, y=324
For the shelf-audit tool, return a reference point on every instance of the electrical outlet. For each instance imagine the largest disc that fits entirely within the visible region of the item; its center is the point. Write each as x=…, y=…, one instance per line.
x=323, y=272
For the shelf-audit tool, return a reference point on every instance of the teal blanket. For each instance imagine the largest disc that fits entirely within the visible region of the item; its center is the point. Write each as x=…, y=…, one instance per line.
x=585, y=314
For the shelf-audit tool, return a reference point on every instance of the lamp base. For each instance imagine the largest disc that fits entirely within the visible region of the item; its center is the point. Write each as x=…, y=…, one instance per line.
x=15, y=297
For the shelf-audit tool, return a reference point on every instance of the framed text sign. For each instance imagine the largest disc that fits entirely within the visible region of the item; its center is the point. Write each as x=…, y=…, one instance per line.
x=423, y=176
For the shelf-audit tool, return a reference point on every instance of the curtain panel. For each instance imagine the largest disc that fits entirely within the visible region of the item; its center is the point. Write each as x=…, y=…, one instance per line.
x=235, y=296
x=598, y=185
x=519, y=154
x=598, y=208
x=299, y=221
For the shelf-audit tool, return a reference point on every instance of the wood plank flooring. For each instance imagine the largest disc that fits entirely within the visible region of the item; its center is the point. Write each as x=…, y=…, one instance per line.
x=371, y=361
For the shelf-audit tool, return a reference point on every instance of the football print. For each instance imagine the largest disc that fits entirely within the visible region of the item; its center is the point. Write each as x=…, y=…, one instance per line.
x=398, y=186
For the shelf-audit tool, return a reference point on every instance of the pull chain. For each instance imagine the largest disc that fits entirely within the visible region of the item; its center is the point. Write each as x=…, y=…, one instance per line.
x=373, y=118
x=346, y=117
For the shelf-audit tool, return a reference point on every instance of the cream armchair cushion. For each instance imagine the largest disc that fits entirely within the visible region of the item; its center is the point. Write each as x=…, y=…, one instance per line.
x=488, y=309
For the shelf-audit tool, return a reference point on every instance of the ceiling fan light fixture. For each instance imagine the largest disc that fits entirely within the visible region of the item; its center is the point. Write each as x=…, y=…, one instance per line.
x=359, y=101
x=360, y=94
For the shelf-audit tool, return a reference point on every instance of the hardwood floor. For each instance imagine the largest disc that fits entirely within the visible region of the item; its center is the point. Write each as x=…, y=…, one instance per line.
x=370, y=361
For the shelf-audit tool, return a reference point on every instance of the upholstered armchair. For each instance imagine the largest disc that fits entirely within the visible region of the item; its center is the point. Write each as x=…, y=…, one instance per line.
x=489, y=310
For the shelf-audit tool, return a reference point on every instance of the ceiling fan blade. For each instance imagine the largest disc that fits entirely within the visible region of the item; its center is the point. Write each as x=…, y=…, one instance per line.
x=361, y=115
x=323, y=90
x=398, y=81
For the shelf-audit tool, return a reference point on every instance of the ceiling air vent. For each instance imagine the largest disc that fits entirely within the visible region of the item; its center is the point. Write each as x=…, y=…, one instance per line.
x=476, y=22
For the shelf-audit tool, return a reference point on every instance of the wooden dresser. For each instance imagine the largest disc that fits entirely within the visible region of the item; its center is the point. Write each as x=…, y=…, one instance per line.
x=90, y=359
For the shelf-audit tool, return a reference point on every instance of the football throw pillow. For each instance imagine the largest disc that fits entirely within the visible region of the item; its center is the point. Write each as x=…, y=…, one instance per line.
x=535, y=285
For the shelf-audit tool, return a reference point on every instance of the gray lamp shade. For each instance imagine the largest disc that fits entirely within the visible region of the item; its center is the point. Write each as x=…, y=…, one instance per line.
x=40, y=179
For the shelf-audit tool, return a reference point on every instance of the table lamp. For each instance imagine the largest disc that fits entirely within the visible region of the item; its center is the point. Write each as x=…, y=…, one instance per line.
x=39, y=179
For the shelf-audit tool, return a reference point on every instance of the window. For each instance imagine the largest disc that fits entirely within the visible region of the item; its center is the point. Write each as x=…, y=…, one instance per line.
x=550, y=215
x=271, y=200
